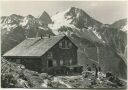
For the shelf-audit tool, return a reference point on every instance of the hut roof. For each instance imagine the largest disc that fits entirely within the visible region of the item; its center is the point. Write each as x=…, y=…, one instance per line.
x=34, y=46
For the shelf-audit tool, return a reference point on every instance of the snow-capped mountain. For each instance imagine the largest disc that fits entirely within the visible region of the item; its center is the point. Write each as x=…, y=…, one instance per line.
x=29, y=22
x=16, y=28
x=73, y=17
x=79, y=21
x=10, y=22
x=12, y=19
x=71, y=21
x=60, y=20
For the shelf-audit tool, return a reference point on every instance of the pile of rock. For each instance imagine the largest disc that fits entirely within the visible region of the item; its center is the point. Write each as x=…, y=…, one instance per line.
x=107, y=80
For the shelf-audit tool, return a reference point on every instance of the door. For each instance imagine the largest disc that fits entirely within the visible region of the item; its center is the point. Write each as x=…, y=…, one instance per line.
x=50, y=63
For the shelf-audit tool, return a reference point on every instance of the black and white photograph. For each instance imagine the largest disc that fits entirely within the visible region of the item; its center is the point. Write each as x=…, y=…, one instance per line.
x=64, y=44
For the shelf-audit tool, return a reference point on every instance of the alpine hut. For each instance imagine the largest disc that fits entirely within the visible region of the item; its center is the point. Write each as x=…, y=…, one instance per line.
x=43, y=54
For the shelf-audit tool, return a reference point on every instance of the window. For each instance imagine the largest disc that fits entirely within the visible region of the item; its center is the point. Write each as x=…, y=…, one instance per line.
x=60, y=44
x=49, y=55
x=66, y=62
x=61, y=62
x=70, y=45
x=70, y=61
x=65, y=44
x=54, y=63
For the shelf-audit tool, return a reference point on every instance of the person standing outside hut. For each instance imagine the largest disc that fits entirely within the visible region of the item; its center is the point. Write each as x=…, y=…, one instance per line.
x=96, y=70
x=88, y=68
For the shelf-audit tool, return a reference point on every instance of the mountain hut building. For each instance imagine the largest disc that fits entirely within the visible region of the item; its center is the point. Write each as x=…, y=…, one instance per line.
x=47, y=54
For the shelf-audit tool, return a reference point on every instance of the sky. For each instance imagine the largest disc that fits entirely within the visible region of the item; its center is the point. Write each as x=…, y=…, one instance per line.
x=106, y=12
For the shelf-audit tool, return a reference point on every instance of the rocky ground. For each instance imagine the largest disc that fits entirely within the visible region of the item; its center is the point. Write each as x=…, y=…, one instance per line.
x=16, y=76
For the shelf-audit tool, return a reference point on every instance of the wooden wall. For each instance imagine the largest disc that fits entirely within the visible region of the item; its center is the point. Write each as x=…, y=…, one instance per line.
x=59, y=53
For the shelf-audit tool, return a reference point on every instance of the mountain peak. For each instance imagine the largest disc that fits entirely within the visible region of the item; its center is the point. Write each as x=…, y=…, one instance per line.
x=11, y=19
x=45, y=12
x=119, y=23
x=73, y=17
x=30, y=16
x=45, y=18
x=13, y=15
x=74, y=8
x=29, y=22
x=76, y=12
